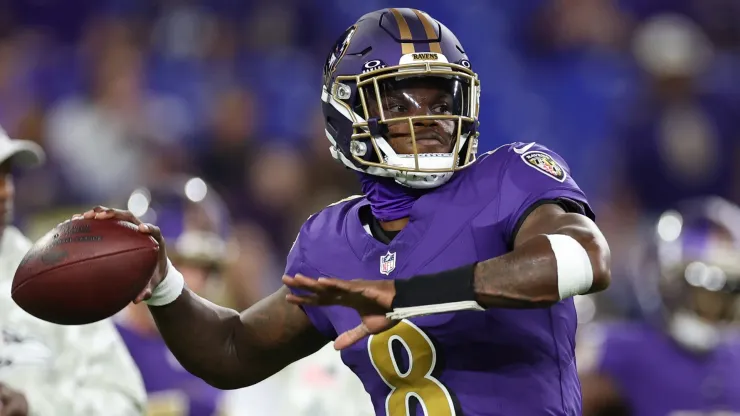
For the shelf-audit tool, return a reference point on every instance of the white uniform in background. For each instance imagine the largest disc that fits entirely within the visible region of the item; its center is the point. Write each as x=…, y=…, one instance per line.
x=321, y=385
x=318, y=385
x=62, y=370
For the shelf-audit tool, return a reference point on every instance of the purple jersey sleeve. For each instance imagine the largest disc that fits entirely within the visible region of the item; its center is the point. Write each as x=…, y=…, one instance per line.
x=297, y=264
x=532, y=175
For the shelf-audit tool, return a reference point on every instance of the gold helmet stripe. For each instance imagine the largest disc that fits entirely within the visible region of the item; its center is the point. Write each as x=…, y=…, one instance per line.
x=403, y=29
x=429, y=30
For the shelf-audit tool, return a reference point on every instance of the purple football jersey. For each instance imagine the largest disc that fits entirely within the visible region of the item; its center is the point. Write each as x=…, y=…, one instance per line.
x=656, y=376
x=171, y=390
x=496, y=362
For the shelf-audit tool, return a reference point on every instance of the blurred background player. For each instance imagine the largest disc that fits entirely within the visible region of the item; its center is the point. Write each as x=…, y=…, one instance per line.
x=684, y=356
x=321, y=384
x=196, y=221
x=48, y=369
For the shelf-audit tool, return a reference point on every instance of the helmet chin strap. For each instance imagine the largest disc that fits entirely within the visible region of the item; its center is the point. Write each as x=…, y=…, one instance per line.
x=392, y=193
x=693, y=332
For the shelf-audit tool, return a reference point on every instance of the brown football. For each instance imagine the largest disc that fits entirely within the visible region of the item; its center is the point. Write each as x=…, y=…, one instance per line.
x=84, y=271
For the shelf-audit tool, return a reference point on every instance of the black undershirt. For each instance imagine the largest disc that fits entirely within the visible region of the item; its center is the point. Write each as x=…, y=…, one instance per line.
x=385, y=237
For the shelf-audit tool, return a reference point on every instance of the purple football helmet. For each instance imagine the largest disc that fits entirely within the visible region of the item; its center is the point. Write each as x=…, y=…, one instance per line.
x=375, y=57
x=690, y=274
x=192, y=217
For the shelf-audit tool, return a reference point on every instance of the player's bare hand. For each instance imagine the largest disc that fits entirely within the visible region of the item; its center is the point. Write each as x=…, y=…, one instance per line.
x=371, y=299
x=12, y=402
x=105, y=213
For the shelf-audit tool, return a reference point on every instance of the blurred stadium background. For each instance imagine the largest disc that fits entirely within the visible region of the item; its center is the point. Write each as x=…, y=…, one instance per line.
x=641, y=97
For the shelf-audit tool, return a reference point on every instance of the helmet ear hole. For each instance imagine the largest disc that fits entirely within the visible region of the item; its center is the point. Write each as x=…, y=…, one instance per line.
x=330, y=126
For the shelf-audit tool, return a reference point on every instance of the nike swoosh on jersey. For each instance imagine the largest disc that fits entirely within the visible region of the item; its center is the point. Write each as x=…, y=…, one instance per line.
x=524, y=149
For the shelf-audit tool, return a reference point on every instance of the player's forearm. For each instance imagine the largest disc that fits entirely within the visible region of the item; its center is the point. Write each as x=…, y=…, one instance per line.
x=528, y=276
x=229, y=350
x=202, y=336
x=555, y=258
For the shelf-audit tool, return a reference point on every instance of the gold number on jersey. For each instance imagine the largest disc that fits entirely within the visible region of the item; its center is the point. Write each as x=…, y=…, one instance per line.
x=417, y=381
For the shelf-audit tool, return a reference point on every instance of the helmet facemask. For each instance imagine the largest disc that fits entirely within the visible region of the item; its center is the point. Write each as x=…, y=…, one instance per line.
x=700, y=281
x=700, y=310
x=415, y=122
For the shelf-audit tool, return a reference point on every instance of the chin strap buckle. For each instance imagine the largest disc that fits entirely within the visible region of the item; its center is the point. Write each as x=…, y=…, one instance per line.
x=377, y=129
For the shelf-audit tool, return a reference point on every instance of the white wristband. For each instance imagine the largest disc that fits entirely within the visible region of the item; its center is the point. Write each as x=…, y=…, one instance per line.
x=168, y=289
x=575, y=273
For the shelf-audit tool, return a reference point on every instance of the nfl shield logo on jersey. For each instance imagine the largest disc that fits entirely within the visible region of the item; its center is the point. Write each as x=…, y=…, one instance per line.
x=388, y=263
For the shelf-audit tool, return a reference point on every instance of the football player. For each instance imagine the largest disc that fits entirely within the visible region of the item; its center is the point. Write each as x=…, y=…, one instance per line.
x=192, y=217
x=492, y=249
x=684, y=359
x=47, y=369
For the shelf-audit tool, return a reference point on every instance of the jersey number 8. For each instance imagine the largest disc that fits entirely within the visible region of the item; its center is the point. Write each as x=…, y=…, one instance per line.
x=416, y=381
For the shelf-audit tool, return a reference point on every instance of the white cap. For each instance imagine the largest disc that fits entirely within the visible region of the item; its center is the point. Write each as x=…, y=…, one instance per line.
x=24, y=152
x=671, y=44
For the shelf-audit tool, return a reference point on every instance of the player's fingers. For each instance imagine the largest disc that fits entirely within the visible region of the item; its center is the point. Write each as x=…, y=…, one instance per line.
x=100, y=213
x=330, y=298
x=349, y=338
x=144, y=295
x=335, y=283
x=310, y=299
x=105, y=215
x=152, y=230
x=125, y=216
x=302, y=282
x=289, y=281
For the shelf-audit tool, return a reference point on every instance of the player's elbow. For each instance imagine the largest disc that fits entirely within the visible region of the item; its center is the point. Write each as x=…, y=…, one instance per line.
x=232, y=380
x=602, y=281
x=224, y=383
x=226, y=368
x=590, y=237
x=601, y=259
x=600, y=255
